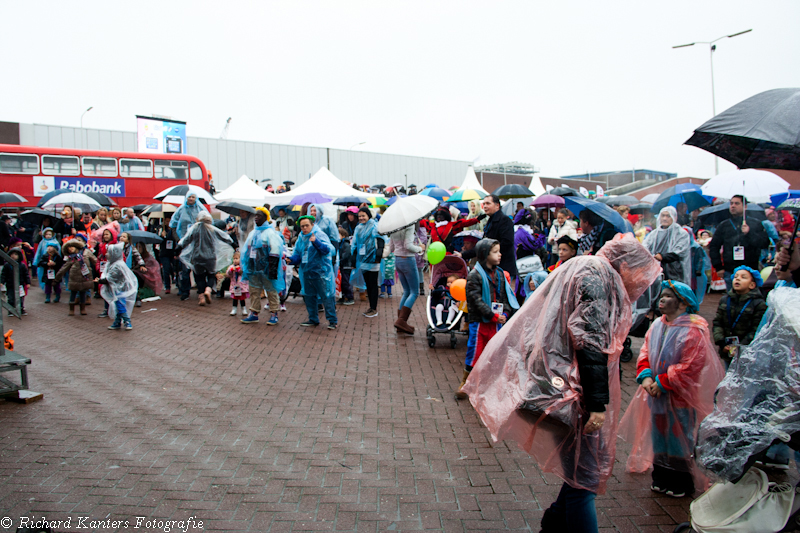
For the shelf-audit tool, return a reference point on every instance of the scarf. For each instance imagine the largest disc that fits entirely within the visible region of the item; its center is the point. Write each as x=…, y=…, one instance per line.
x=78, y=256
x=486, y=295
x=587, y=241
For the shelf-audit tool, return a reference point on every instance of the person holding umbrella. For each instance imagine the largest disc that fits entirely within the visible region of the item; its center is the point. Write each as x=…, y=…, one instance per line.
x=596, y=232
x=736, y=243
x=405, y=252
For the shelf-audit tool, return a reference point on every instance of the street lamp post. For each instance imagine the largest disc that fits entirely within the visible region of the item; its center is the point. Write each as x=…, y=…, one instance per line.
x=82, y=132
x=711, y=48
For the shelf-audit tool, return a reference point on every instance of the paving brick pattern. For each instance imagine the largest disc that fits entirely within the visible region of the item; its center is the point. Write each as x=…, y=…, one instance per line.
x=257, y=428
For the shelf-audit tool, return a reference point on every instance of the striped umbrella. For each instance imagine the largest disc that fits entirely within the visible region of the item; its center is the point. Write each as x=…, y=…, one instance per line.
x=436, y=192
x=466, y=195
x=376, y=201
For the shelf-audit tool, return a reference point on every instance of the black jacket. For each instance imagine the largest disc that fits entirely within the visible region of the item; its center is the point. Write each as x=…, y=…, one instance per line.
x=477, y=309
x=500, y=228
x=346, y=259
x=593, y=365
x=728, y=235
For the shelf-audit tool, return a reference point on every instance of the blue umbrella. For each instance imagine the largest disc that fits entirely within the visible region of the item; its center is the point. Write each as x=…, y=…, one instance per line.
x=393, y=199
x=436, y=192
x=687, y=193
x=313, y=197
x=778, y=199
x=461, y=206
x=576, y=205
x=430, y=185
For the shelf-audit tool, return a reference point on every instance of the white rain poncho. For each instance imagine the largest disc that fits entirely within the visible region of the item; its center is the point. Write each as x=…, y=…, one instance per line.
x=206, y=246
x=264, y=246
x=672, y=239
x=121, y=282
x=530, y=367
x=759, y=399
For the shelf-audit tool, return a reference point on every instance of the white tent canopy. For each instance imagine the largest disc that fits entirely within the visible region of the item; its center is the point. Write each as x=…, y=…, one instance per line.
x=471, y=181
x=322, y=182
x=536, y=186
x=244, y=191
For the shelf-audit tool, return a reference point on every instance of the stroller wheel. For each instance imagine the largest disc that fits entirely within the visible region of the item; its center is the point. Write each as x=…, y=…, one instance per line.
x=431, y=341
x=627, y=353
x=684, y=527
x=453, y=340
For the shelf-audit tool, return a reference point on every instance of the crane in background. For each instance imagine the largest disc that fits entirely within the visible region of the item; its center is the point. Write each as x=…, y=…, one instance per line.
x=224, y=134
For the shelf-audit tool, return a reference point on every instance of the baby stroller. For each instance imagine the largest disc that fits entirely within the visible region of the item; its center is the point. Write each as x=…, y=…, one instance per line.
x=439, y=272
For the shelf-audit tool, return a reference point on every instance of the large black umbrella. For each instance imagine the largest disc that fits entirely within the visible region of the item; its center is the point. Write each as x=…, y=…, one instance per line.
x=234, y=208
x=37, y=215
x=11, y=198
x=760, y=132
x=615, y=201
x=349, y=200
x=102, y=199
x=144, y=236
x=513, y=190
x=565, y=191
x=641, y=208
x=720, y=213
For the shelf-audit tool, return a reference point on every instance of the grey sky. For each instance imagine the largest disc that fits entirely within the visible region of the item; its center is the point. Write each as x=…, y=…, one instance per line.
x=568, y=86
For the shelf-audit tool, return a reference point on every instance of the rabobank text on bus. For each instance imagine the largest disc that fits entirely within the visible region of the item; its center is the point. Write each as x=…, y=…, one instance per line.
x=107, y=186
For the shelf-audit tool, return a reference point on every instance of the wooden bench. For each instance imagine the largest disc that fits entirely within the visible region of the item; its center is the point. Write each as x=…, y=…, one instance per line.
x=12, y=362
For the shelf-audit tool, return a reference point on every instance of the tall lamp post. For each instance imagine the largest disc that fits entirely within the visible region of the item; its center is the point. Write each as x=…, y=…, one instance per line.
x=82, y=132
x=711, y=48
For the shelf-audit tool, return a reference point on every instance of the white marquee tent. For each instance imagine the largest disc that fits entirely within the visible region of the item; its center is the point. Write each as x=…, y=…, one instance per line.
x=322, y=182
x=244, y=191
x=471, y=181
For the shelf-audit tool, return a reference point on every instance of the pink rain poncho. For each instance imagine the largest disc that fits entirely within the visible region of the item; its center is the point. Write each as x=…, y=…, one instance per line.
x=526, y=385
x=663, y=430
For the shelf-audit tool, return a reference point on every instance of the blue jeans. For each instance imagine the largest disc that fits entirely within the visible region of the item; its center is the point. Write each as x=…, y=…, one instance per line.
x=314, y=289
x=185, y=280
x=166, y=271
x=572, y=511
x=728, y=281
x=409, y=278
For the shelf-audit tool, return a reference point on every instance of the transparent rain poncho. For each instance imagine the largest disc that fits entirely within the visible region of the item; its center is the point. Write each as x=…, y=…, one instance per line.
x=206, y=246
x=759, y=399
x=530, y=366
x=662, y=430
x=122, y=283
x=186, y=215
x=263, y=245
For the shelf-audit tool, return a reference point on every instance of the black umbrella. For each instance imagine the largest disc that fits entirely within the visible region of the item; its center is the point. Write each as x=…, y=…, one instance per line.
x=615, y=201
x=37, y=215
x=144, y=236
x=720, y=213
x=102, y=199
x=288, y=183
x=513, y=190
x=349, y=200
x=233, y=208
x=760, y=132
x=641, y=208
x=380, y=185
x=11, y=198
x=49, y=195
x=565, y=191
x=412, y=185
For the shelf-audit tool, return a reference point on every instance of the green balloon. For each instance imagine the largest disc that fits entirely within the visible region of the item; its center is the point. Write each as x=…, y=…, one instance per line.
x=436, y=253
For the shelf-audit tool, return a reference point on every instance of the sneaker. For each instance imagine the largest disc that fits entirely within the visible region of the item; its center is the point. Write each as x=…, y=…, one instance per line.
x=309, y=324
x=273, y=320
x=371, y=313
x=252, y=318
x=349, y=302
x=128, y=325
x=166, y=291
x=47, y=299
x=233, y=311
x=675, y=493
x=104, y=314
x=383, y=295
x=333, y=326
x=24, y=313
x=283, y=307
x=656, y=488
x=138, y=303
x=778, y=465
x=184, y=297
x=116, y=325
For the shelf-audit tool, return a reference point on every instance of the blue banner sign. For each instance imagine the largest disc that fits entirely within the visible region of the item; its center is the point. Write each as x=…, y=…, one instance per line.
x=107, y=186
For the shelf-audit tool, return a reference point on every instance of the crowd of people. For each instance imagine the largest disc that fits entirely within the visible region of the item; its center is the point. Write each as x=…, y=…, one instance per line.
x=545, y=291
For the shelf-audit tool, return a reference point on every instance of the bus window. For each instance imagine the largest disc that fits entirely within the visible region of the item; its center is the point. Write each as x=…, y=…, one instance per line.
x=135, y=168
x=195, y=172
x=99, y=166
x=19, y=164
x=61, y=165
x=177, y=170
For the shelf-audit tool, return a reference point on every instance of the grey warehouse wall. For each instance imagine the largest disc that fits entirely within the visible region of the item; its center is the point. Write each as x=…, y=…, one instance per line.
x=229, y=159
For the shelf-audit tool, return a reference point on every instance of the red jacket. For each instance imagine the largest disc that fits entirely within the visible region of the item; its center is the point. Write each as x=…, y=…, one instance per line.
x=446, y=232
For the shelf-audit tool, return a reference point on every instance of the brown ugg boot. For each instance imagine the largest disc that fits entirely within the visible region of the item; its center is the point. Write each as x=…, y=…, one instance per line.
x=71, y=310
x=459, y=395
x=401, y=324
x=83, y=308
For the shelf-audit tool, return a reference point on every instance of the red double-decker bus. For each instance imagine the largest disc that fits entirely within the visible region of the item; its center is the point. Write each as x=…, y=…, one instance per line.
x=129, y=178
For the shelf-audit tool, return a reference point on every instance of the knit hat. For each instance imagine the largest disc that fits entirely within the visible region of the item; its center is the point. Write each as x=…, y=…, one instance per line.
x=265, y=211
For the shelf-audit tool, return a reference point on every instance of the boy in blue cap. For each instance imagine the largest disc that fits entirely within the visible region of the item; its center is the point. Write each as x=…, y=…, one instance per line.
x=739, y=314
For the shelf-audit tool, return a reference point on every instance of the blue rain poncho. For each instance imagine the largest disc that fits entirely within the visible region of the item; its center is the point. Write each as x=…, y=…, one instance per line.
x=121, y=283
x=326, y=225
x=314, y=259
x=262, y=244
x=41, y=250
x=186, y=215
x=537, y=278
x=206, y=246
x=366, y=251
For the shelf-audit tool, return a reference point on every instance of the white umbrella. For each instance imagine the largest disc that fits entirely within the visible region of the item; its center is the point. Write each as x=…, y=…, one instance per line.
x=405, y=212
x=74, y=199
x=650, y=198
x=177, y=193
x=755, y=185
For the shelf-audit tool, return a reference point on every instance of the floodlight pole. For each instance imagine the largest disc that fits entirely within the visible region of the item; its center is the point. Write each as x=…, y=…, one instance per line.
x=82, y=132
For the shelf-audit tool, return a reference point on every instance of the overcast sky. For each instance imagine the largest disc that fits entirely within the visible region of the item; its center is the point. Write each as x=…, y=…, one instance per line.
x=570, y=87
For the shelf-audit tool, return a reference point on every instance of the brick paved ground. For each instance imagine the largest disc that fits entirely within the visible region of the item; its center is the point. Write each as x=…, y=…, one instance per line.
x=271, y=429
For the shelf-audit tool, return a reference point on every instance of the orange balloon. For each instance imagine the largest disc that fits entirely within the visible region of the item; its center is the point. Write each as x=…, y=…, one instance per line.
x=458, y=290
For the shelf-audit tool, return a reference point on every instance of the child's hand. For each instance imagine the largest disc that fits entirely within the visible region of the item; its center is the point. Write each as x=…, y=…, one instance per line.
x=430, y=286
x=501, y=319
x=96, y=280
x=143, y=269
